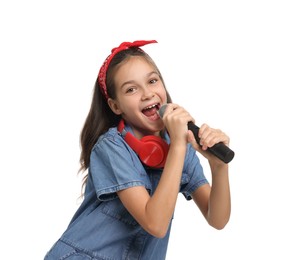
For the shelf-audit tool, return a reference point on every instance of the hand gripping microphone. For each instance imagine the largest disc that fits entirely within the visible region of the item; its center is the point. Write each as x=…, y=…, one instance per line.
x=220, y=150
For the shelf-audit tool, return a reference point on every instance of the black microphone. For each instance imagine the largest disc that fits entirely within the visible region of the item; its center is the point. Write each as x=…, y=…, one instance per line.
x=220, y=150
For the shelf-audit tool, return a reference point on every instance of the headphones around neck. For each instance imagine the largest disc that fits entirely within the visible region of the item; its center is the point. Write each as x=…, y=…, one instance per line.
x=152, y=150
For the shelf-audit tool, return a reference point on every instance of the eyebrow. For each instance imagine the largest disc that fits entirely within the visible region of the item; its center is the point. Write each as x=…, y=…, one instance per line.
x=133, y=81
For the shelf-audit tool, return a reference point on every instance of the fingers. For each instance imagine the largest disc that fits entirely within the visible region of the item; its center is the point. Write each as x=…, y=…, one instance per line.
x=174, y=112
x=210, y=136
x=175, y=119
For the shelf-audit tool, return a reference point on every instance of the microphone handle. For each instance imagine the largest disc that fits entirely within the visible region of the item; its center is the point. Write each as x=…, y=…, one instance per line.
x=220, y=150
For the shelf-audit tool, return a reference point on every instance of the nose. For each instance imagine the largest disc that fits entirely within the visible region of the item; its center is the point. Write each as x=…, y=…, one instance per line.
x=147, y=93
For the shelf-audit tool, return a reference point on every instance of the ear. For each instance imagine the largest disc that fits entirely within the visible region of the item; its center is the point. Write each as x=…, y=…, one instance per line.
x=114, y=106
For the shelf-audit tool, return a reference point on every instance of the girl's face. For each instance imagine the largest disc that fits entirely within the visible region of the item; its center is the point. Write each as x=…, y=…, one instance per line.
x=139, y=94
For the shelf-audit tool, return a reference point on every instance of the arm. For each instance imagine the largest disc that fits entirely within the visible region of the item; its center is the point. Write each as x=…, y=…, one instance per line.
x=214, y=202
x=154, y=213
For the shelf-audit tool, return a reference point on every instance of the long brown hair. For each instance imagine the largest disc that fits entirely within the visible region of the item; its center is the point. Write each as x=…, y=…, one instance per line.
x=100, y=117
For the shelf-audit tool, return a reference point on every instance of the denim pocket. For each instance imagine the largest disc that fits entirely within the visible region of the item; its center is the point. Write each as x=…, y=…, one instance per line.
x=77, y=256
x=63, y=251
x=116, y=209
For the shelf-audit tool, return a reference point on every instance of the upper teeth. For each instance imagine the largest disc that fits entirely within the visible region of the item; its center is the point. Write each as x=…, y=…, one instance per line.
x=149, y=107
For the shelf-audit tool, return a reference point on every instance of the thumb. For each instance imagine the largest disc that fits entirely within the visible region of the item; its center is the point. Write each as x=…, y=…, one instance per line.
x=192, y=141
x=196, y=146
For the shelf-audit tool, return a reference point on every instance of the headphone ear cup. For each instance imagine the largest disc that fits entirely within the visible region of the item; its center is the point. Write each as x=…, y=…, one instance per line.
x=154, y=151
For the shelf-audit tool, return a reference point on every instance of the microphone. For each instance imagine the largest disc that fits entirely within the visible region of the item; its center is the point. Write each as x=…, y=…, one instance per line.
x=220, y=150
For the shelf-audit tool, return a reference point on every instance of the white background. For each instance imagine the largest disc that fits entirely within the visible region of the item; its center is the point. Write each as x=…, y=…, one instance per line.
x=222, y=60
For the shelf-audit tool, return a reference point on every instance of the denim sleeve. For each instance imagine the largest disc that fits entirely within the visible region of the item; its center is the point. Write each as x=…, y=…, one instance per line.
x=193, y=176
x=114, y=166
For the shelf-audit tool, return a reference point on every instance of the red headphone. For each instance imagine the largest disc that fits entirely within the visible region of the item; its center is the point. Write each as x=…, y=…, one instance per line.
x=152, y=150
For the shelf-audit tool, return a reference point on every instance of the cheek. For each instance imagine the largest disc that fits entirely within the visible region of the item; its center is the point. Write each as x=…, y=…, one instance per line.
x=127, y=105
x=163, y=95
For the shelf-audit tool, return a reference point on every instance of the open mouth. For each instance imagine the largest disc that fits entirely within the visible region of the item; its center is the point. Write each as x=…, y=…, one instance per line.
x=151, y=110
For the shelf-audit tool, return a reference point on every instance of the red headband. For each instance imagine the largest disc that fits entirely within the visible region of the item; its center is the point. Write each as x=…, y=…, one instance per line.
x=114, y=51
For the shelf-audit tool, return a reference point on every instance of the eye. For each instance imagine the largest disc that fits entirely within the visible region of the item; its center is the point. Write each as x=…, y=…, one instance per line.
x=153, y=81
x=130, y=90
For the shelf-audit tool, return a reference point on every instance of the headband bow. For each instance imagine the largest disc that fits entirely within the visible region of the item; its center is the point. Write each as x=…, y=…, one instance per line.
x=114, y=51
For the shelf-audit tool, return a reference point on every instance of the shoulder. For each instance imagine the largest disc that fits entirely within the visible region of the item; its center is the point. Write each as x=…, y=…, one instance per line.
x=112, y=136
x=111, y=145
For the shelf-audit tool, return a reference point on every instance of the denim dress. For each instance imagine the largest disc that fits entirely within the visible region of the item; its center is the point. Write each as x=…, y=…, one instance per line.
x=102, y=229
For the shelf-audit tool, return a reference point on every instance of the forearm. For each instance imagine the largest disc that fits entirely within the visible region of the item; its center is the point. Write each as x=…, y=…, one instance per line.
x=161, y=205
x=219, y=206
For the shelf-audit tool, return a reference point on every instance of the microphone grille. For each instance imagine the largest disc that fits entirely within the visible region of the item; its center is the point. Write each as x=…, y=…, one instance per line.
x=162, y=110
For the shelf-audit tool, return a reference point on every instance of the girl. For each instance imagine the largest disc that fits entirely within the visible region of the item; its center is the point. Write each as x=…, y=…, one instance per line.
x=137, y=164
